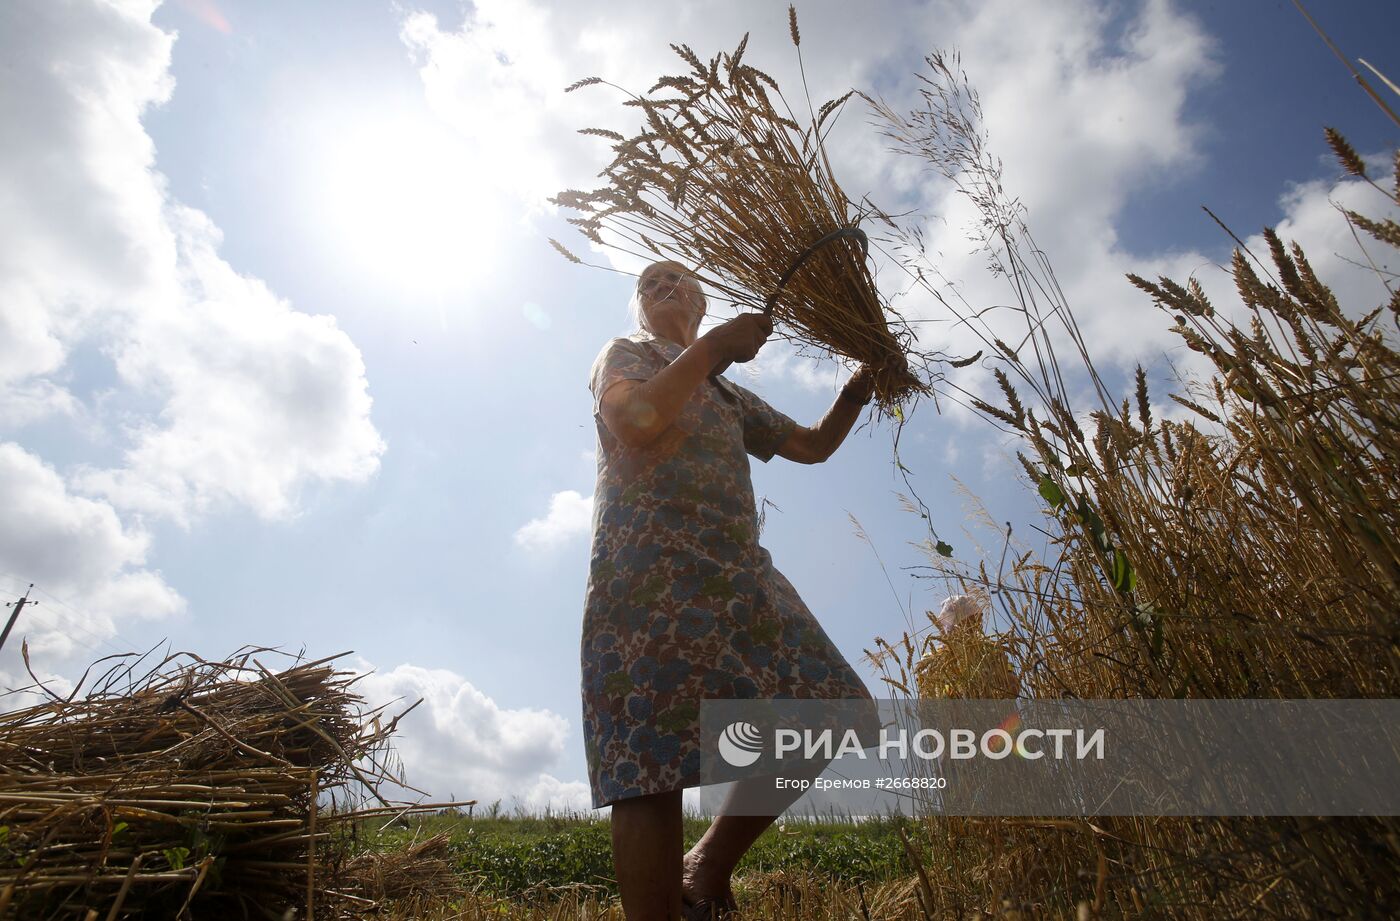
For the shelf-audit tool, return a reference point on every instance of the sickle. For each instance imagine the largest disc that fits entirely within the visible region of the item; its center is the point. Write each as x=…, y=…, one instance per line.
x=854, y=233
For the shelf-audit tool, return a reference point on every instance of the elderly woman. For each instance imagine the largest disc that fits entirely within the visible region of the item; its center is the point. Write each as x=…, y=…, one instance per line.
x=683, y=604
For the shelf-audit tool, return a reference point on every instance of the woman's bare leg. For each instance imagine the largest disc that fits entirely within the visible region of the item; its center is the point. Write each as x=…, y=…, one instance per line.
x=710, y=864
x=647, y=842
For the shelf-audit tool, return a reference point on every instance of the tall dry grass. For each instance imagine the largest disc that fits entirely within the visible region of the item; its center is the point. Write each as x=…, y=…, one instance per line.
x=1249, y=550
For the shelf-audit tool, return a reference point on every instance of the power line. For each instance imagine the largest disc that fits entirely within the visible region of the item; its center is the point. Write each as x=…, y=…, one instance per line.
x=78, y=620
x=89, y=645
x=80, y=616
x=75, y=622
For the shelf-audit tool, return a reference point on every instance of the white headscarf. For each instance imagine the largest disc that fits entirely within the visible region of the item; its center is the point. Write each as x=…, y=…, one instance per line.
x=957, y=609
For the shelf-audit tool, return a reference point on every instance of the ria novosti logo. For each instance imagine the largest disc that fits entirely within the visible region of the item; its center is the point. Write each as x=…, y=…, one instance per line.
x=741, y=744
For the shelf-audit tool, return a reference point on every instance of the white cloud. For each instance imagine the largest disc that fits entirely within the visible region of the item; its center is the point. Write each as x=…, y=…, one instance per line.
x=498, y=77
x=20, y=690
x=249, y=399
x=83, y=224
x=28, y=401
x=1087, y=116
x=461, y=743
x=495, y=82
x=550, y=794
x=231, y=396
x=1313, y=220
x=570, y=514
x=261, y=398
x=780, y=361
x=77, y=549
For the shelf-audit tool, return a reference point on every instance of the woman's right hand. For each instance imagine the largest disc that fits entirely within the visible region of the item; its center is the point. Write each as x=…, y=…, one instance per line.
x=739, y=339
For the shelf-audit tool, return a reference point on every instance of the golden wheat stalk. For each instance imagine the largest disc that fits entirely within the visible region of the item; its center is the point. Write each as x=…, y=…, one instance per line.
x=722, y=177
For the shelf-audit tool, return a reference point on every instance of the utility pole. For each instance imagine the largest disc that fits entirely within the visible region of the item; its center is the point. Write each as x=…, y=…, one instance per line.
x=14, y=615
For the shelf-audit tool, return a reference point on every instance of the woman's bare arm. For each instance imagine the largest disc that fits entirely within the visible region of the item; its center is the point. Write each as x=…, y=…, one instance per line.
x=814, y=444
x=638, y=411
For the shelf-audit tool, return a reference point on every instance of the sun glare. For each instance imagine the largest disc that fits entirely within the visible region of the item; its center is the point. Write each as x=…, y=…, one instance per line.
x=401, y=205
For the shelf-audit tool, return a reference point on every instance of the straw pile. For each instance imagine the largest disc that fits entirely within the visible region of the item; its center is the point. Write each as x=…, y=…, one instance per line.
x=722, y=179
x=195, y=786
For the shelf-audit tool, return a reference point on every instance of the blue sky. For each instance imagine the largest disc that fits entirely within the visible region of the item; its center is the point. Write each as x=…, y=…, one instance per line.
x=285, y=358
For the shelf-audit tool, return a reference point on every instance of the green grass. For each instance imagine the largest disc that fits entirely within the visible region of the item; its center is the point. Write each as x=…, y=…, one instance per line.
x=512, y=855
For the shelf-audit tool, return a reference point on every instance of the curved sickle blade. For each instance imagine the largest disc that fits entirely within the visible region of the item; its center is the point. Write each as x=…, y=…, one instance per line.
x=854, y=233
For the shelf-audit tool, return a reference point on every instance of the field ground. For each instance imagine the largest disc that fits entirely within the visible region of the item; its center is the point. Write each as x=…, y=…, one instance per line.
x=507, y=856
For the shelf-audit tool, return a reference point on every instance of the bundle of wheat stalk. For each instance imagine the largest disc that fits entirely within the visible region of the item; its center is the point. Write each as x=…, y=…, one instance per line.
x=726, y=181
x=206, y=789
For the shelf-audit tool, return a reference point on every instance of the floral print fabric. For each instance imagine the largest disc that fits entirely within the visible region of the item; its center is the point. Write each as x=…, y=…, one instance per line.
x=682, y=603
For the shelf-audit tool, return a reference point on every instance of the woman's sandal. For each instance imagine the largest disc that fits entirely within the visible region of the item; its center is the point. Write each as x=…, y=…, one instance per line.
x=709, y=909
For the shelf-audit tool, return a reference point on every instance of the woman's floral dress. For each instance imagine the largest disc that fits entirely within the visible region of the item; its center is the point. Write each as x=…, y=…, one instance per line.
x=682, y=603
